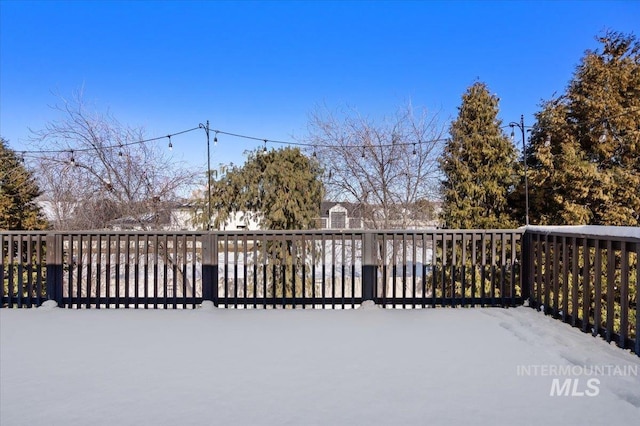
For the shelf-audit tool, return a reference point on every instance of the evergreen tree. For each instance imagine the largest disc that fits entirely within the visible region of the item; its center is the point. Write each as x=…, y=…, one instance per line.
x=479, y=165
x=585, y=146
x=18, y=191
x=281, y=189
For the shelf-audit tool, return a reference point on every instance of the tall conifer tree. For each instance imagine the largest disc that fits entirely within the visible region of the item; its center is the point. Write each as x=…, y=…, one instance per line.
x=585, y=152
x=280, y=189
x=479, y=165
x=18, y=191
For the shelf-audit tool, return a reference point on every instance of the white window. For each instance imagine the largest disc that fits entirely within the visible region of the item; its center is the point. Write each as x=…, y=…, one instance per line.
x=321, y=223
x=338, y=219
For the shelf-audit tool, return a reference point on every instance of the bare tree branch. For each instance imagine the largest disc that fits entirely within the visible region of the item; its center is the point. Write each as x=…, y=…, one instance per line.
x=389, y=168
x=107, y=175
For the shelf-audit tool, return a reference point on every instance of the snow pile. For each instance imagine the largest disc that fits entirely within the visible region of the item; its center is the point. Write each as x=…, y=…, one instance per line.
x=294, y=367
x=49, y=305
x=368, y=305
x=208, y=305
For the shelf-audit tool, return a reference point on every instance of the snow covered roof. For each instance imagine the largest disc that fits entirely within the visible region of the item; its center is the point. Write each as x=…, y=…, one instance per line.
x=606, y=231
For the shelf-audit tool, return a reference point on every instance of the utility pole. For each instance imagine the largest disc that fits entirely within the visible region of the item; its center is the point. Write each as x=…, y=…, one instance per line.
x=206, y=130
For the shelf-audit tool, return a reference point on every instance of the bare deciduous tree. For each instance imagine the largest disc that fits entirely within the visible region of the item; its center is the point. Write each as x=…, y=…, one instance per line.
x=97, y=170
x=389, y=168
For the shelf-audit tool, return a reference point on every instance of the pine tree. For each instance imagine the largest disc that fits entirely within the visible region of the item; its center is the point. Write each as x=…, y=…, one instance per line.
x=18, y=191
x=479, y=165
x=585, y=146
x=281, y=189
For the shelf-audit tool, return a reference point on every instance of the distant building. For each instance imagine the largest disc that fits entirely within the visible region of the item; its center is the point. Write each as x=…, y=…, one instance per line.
x=178, y=217
x=347, y=215
x=342, y=215
x=240, y=221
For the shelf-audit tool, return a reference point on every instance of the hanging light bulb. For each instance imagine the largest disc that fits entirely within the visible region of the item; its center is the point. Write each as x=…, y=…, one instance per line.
x=265, y=146
x=603, y=136
x=414, y=149
x=314, y=154
x=170, y=144
x=72, y=161
x=215, y=139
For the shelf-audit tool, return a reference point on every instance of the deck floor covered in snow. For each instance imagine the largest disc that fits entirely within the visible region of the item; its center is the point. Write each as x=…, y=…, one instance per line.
x=485, y=366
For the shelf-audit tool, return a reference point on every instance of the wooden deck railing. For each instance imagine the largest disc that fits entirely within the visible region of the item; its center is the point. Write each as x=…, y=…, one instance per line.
x=589, y=281
x=327, y=269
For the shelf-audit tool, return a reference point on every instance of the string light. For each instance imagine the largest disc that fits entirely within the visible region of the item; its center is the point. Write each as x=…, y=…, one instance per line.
x=605, y=132
x=119, y=145
x=289, y=143
x=315, y=145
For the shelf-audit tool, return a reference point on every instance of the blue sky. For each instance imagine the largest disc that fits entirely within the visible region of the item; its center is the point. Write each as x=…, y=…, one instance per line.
x=259, y=68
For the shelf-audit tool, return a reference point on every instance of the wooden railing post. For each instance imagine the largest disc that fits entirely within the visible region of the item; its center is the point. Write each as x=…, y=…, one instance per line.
x=54, y=267
x=369, y=266
x=637, y=341
x=210, y=267
x=527, y=267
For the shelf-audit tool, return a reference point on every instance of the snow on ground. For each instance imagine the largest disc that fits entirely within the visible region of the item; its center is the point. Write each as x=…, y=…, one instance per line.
x=254, y=367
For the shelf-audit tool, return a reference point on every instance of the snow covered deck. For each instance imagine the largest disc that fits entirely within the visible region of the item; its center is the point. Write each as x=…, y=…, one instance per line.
x=484, y=366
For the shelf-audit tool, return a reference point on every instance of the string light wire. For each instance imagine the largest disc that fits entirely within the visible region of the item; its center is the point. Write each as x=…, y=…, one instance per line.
x=264, y=141
x=29, y=153
x=323, y=145
x=119, y=145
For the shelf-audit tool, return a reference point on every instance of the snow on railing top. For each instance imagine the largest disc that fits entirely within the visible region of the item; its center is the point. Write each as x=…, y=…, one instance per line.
x=595, y=230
